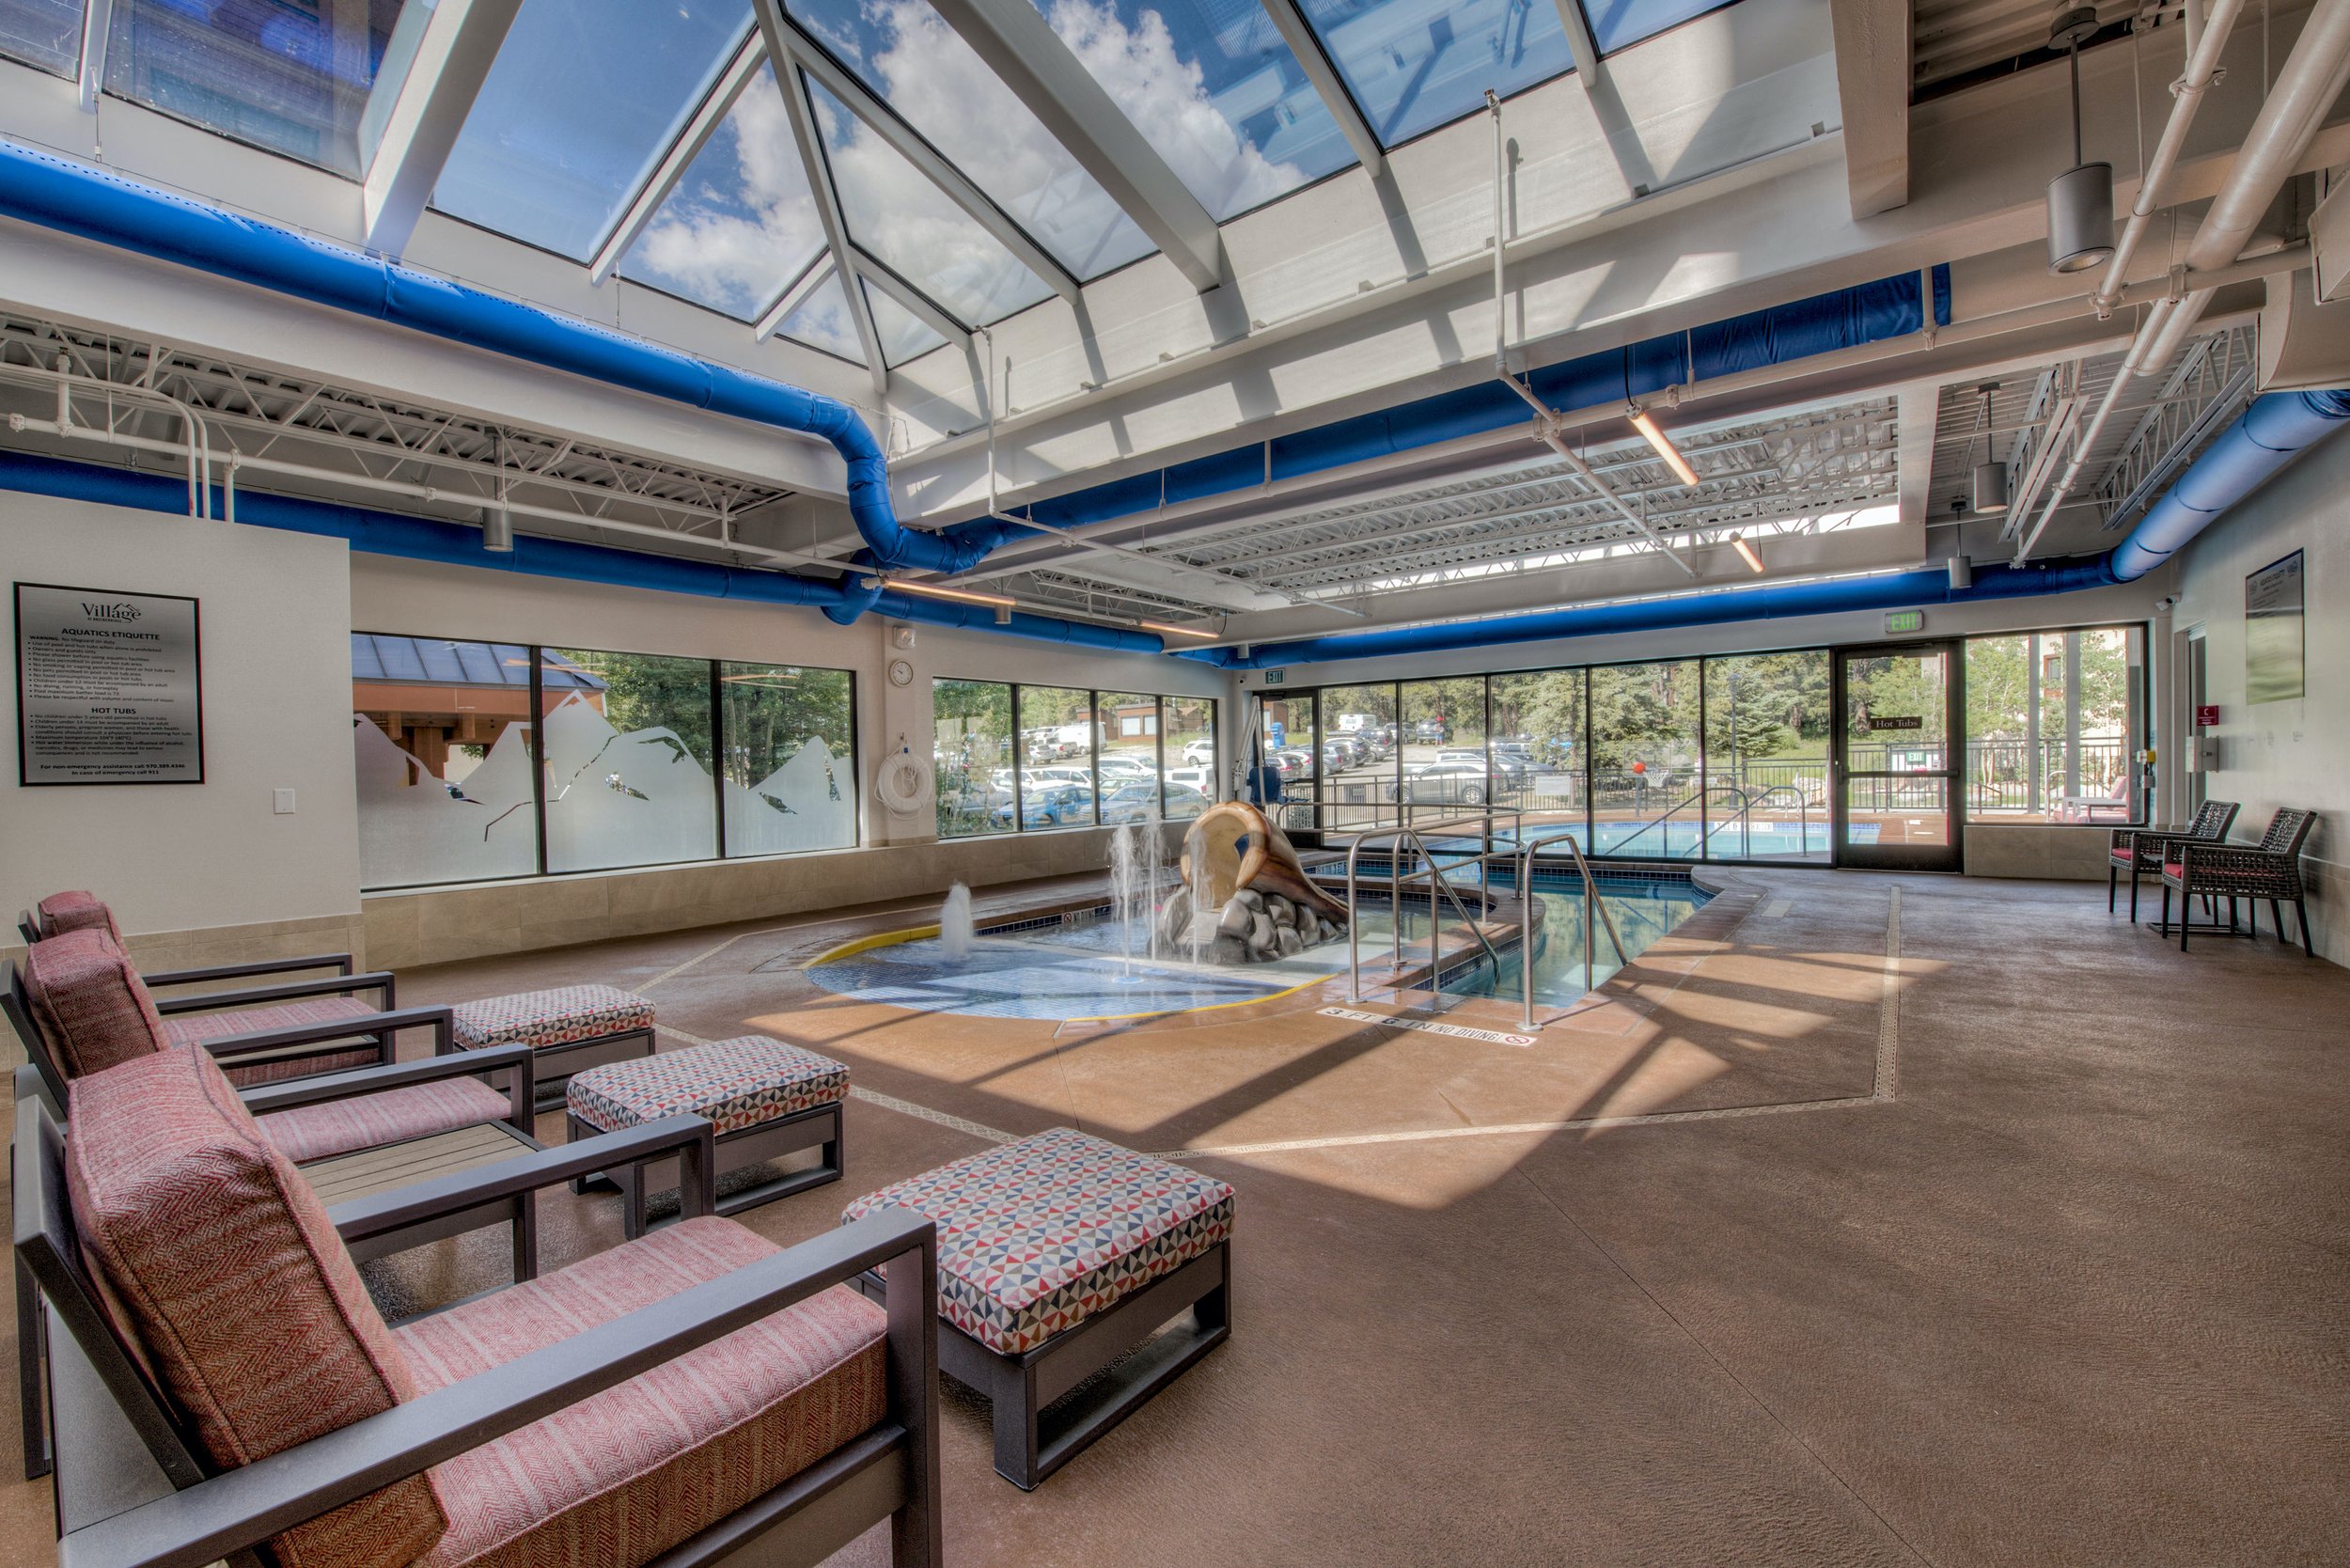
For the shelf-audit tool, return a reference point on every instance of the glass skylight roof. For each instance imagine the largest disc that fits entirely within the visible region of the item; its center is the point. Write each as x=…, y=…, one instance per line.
x=584, y=99
x=294, y=80
x=1618, y=22
x=823, y=319
x=914, y=62
x=1212, y=87
x=741, y=223
x=909, y=226
x=904, y=335
x=43, y=33
x=1414, y=65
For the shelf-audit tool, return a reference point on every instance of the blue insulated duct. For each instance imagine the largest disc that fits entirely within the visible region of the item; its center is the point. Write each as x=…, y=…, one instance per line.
x=75, y=199
x=422, y=539
x=2272, y=432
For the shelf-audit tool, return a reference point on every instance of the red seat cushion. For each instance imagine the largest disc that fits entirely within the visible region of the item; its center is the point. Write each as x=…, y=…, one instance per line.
x=77, y=910
x=634, y=1470
x=2125, y=855
x=88, y=1003
x=187, y=1028
x=2173, y=868
x=222, y=1270
x=391, y=1115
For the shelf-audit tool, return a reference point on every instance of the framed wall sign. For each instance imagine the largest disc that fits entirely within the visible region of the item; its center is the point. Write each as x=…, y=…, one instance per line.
x=109, y=687
x=2273, y=670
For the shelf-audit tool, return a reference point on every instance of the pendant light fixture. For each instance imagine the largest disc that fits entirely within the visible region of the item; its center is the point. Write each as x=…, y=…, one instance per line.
x=1990, y=474
x=2081, y=200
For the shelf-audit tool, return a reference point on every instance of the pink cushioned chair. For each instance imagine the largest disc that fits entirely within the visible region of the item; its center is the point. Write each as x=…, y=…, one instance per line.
x=226, y=1390
x=215, y=1014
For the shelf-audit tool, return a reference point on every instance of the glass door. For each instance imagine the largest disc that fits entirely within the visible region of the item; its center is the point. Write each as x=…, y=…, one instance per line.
x=1895, y=796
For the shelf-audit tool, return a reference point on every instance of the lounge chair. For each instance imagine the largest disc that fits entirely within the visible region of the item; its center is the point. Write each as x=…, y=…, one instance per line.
x=2139, y=850
x=2270, y=869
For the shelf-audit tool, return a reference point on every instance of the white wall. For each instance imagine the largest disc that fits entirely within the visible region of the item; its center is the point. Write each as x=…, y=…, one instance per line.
x=276, y=674
x=2291, y=753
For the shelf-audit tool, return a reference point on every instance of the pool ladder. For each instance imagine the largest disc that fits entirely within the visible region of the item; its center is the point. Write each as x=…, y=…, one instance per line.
x=1396, y=839
x=1593, y=905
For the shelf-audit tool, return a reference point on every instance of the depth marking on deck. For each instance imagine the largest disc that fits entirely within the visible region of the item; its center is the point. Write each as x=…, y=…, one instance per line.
x=1777, y=908
x=1429, y=1026
x=1885, y=1080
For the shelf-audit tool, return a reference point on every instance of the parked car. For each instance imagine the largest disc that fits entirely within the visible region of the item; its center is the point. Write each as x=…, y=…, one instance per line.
x=1202, y=779
x=1433, y=731
x=1051, y=806
x=1294, y=764
x=1118, y=766
x=1445, y=784
x=1141, y=801
x=1200, y=753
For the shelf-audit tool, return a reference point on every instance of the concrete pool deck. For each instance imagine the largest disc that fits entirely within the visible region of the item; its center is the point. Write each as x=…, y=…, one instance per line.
x=1867, y=1219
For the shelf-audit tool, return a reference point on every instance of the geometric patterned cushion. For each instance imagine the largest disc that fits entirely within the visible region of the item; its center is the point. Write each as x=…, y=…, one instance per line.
x=233, y=1285
x=1036, y=1236
x=543, y=1018
x=332, y=1127
x=629, y=1473
x=735, y=1083
x=77, y=910
x=89, y=1002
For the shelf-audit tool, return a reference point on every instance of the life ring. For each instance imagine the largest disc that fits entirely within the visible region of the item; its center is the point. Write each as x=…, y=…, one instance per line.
x=902, y=783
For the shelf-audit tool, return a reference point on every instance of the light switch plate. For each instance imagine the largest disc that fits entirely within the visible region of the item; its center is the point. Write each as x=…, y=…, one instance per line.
x=282, y=802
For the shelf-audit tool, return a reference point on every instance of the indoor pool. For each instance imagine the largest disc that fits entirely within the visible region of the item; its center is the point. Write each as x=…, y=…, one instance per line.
x=1075, y=969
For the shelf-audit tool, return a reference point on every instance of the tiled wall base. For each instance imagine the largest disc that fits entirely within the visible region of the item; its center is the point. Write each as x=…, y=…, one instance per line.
x=441, y=924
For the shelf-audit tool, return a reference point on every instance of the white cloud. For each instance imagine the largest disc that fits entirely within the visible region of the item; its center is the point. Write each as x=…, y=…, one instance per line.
x=743, y=223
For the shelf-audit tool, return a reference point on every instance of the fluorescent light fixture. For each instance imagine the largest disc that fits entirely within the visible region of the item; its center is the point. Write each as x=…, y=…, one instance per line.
x=1178, y=630
x=1746, y=551
x=1665, y=449
x=967, y=595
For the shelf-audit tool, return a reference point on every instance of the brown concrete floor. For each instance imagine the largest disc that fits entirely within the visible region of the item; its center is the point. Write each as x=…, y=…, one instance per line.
x=2026, y=1248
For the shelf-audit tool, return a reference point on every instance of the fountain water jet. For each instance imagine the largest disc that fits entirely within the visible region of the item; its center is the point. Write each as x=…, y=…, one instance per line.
x=955, y=933
x=1137, y=863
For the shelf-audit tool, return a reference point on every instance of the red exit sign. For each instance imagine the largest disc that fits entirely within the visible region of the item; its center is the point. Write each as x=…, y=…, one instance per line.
x=2207, y=715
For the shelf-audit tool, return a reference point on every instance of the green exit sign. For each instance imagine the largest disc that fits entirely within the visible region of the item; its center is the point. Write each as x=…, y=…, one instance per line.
x=1899, y=621
x=1274, y=676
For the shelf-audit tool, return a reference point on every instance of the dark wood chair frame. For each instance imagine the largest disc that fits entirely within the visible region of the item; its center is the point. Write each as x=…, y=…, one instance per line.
x=28, y=927
x=519, y=1211
x=817, y=1127
x=133, y=1492
x=2147, y=846
x=1031, y=1442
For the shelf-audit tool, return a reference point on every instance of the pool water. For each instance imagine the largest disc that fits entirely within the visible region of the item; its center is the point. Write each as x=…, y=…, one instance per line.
x=1076, y=970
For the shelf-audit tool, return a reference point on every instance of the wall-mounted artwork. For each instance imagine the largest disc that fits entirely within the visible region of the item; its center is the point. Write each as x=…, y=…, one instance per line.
x=2274, y=669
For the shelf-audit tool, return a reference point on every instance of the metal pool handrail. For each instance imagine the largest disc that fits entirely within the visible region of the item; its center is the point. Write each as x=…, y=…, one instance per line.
x=1703, y=792
x=1750, y=799
x=1592, y=904
x=1396, y=877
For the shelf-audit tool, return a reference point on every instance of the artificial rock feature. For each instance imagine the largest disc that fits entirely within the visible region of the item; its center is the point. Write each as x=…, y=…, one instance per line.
x=1238, y=865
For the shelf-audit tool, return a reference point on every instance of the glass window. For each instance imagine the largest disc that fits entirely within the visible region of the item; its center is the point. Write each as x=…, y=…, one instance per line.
x=2054, y=720
x=1414, y=66
x=909, y=224
x=584, y=99
x=1187, y=743
x=972, y=758
x=441, y=732
x=1646, y=778
x=904, y=335
x=791, y=761
x=1443, y=748
x=741, y=223
x=1129, y=766
x=293, y=78
x=1618, y=22
x=1212, y=88
x=627, y=759
x=1766, y=732
x=1057, y=736
x=43, y=33
x=1359, y=742
x=921, y=67
x=1538, y=727
x=822, y=321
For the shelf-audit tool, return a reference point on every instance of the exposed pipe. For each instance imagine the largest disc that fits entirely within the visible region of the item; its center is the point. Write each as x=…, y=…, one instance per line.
x=1501, y=306
x=1545, y=427
x=2274, y=430
x=2206, y=41
x=95, y=204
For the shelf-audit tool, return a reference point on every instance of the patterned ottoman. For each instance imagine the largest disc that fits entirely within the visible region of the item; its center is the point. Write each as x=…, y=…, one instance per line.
x=1056, y=1255
x=570, y=1028
x=766, y=1100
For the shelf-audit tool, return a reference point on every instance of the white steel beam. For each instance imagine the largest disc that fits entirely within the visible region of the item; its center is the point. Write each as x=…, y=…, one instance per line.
x=634, y=219
x=97, y=25
x=1873, y=65
x=1012, y=38
x=809, y=138
x=452, y=60
x=1291, y=24
x=923, y=308
x=908, y=143
x=796, y=296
